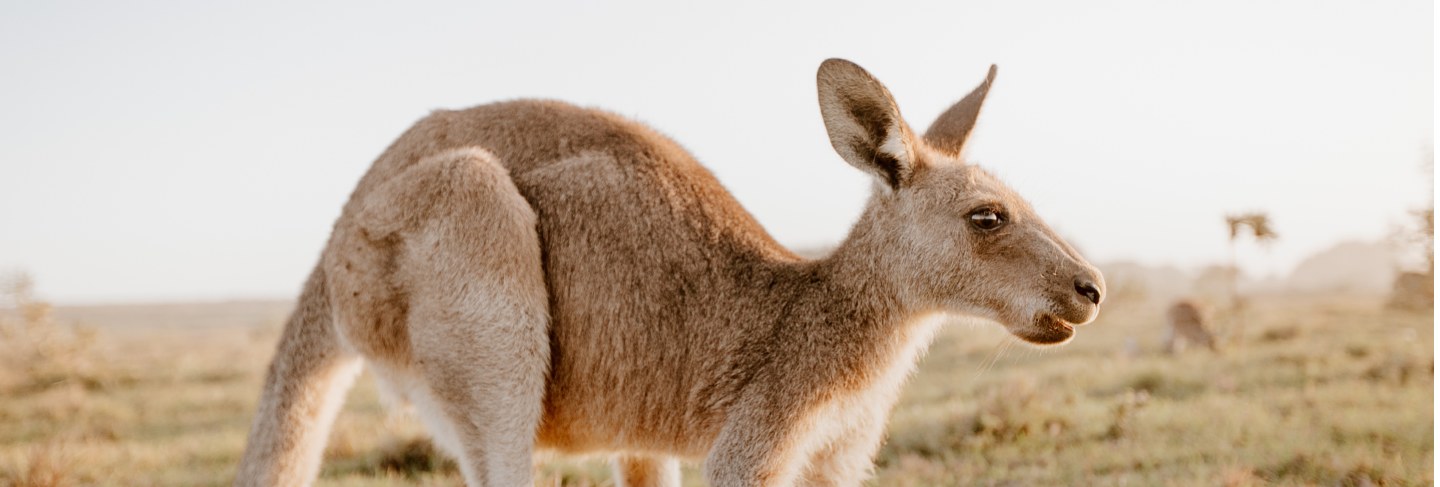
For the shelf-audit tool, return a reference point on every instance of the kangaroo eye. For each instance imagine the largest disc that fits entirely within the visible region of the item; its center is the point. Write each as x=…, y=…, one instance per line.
x=987, y=219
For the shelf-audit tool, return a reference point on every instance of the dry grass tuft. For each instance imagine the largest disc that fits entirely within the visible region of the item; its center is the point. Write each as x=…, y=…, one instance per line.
x=46, y=467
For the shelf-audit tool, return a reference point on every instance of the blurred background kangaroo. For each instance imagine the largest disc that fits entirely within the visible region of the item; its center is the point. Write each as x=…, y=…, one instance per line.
x=1187, y=324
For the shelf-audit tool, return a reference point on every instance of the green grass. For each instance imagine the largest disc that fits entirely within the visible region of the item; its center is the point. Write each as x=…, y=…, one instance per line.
x=1316, y=391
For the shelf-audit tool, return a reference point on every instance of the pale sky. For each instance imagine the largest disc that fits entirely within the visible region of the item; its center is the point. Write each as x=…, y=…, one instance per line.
x=199, y=150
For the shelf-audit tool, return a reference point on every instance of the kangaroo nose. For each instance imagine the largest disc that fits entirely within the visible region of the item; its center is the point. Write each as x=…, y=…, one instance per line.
x=1087, y=288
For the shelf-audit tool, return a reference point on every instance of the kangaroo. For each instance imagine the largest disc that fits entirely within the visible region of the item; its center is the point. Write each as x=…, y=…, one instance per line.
x=1188, y=325
x=533, y=276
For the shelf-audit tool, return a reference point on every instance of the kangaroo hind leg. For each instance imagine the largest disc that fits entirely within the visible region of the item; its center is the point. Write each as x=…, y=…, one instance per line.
x=478, y=324
x=303, y=392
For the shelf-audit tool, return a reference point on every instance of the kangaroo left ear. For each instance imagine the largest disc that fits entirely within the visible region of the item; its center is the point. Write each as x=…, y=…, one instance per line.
x=950, y=131
x=864, y=124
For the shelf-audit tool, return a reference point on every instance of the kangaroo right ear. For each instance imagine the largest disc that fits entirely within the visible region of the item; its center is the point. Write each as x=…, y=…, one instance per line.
x=949, y=132
x=864, y=124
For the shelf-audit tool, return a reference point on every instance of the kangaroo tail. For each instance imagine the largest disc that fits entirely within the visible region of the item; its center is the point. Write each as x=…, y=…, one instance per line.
x=303, y=391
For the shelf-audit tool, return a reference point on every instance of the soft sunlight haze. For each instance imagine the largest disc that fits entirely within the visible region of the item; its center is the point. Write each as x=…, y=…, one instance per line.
x=184, y=150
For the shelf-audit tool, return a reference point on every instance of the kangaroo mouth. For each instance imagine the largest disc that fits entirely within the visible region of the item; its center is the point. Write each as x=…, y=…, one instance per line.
x=1046, y=329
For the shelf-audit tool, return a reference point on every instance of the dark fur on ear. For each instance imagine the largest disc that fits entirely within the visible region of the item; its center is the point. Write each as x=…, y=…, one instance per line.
x=864, y=124
x=952, y=128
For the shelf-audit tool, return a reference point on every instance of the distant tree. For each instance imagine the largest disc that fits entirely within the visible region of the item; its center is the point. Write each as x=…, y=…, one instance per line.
x=1420, y=233
x=1257, y=223
x=1414, y=288
x=1424, y=236
x=1257, y=226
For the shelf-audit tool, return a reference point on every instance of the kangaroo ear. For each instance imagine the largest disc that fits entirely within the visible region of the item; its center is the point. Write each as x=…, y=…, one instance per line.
x=864, y=124
x=949, y=132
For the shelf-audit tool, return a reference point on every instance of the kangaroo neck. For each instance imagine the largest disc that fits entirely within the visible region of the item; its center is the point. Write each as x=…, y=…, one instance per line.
x=848, y=290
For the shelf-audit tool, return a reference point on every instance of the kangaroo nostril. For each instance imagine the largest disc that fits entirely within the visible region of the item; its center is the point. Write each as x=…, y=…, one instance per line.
x=1088, y=289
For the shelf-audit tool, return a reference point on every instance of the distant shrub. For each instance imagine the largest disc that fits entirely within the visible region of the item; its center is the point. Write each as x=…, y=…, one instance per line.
x=1013, y=411
x=1280, y=334
x=1161, y=384
x=409, y=457
x=1400, y=370
x=1357, y=350
x=413, y=457
x=36, y=351
x=1122, y=417
x=1309, y=468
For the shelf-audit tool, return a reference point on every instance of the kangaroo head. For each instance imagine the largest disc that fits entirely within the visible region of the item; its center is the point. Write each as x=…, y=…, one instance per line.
x=951, y=236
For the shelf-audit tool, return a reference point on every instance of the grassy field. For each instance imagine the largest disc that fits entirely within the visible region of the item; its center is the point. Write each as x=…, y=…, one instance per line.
x=1316, y=391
